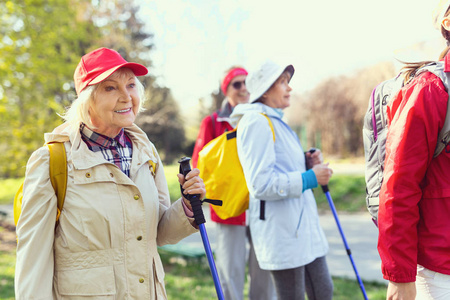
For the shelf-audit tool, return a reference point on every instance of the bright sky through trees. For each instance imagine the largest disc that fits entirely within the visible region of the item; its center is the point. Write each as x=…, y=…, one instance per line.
x=195, y=41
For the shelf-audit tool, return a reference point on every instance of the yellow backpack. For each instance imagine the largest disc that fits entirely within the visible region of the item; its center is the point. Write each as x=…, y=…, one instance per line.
x=222, y=174
x=58, y=177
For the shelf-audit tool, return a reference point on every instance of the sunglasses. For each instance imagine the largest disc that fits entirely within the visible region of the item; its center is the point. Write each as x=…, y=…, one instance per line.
x=237, y=84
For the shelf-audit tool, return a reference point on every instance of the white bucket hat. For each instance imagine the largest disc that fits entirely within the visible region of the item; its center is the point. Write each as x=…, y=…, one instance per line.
x=439, y=12
x=259, y=81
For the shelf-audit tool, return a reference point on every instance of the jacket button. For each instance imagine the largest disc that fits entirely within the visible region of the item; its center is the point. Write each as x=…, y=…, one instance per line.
x=111, y=174
x=141, y=280
x=139, y=238
x=88, y=175
x=136, y=197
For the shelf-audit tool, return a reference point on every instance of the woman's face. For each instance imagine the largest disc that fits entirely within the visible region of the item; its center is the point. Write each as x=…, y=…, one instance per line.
x=278, y=96
x=237, y=91
x=115, y=103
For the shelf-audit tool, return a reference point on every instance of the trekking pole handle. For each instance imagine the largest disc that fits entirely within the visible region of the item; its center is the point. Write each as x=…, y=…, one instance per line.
x=195, y=200
x=325, y=188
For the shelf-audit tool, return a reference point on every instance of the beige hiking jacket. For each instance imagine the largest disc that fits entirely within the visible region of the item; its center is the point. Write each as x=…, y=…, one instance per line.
x=105, y=245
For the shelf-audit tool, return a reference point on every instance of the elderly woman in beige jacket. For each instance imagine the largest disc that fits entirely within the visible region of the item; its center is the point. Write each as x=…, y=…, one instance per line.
x=117, y=208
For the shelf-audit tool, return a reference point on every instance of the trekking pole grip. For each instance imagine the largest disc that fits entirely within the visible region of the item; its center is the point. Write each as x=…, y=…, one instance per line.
x=195, y=200
x=325, y=188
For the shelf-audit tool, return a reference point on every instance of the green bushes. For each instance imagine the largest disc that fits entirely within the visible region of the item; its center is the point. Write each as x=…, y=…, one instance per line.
x=8, y=188
x=348, y=193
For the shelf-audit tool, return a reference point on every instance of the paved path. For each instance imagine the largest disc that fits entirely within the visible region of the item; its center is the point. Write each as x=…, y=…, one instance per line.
x=360, y=233
x=6, y=212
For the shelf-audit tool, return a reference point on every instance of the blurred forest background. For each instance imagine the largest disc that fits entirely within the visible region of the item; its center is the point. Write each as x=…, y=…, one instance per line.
x=42, y=41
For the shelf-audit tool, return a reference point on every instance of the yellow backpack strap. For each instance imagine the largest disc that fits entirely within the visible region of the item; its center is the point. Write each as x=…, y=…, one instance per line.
x=18, y=203
x=58, y=172
x=152, y=167
x=152, y=163
x=270, y=124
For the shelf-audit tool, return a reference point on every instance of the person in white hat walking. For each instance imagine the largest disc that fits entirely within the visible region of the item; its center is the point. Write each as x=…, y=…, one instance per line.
x=413, y=218
x=283, y=217
x=232, y=234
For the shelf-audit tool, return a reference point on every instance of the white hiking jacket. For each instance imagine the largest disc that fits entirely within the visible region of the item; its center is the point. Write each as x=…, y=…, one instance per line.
x=290, y=236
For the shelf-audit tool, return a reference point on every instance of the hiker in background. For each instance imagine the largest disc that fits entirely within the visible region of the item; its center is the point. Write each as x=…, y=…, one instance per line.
x=233, y=234
x=282, y=215
x=413, y=217
x=117, y=208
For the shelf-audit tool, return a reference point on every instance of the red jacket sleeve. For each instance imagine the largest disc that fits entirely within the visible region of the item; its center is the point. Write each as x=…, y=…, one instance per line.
x=416, y=115
x=205, y=135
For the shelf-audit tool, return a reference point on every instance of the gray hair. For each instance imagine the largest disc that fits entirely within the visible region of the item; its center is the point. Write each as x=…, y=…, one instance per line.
x=78, y=111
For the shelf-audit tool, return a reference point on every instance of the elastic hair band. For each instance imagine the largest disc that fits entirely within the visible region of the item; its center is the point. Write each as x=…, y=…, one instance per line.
x=233, y=73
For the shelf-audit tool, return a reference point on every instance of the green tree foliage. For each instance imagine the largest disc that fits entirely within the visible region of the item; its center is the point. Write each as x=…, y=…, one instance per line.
x=42, y=43
x=210, y=105
x=163, y=125
x=121, y=30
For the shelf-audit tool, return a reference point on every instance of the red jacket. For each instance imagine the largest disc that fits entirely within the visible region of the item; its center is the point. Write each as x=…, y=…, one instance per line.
x=211, y=127
x=414, y=212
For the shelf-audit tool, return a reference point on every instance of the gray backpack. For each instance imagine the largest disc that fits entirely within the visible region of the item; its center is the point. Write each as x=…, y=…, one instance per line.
x=375, y=131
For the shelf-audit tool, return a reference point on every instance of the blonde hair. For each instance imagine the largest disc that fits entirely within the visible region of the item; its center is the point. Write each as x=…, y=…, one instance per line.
x=78, y=111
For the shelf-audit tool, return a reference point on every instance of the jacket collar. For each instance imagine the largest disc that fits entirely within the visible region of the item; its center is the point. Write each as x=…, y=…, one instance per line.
x=83, y=158
x=101, y=140
x=242, y=109
x=225, y=110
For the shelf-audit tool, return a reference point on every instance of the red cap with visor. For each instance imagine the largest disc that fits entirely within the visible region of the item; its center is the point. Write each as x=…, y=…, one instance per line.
x=99, y=64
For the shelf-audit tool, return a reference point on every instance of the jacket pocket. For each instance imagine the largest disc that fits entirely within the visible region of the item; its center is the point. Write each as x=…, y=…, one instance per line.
x=159, y=278
x=86, y=282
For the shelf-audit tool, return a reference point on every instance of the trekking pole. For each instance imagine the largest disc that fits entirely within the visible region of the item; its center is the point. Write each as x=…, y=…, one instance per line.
x=349, y=252
x=196, y=204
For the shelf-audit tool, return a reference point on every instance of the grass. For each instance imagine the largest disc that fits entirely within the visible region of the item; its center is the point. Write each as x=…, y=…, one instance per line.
x=348, y=193
x=171, y=172
x=191, y=279
x=8, y=188
x=347, y=289
x=7, y=264
x=7, y=260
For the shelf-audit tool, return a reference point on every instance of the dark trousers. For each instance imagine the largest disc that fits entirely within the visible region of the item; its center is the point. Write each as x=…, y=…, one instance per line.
x=313, y=278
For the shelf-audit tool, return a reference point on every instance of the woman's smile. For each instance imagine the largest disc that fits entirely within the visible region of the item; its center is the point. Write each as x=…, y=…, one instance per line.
x=123, y=110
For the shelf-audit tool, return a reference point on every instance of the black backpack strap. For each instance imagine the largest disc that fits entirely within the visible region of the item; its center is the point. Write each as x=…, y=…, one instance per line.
x=262, y=210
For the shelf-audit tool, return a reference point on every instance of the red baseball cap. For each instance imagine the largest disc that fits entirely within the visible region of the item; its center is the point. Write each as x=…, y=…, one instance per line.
x=99, y=64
